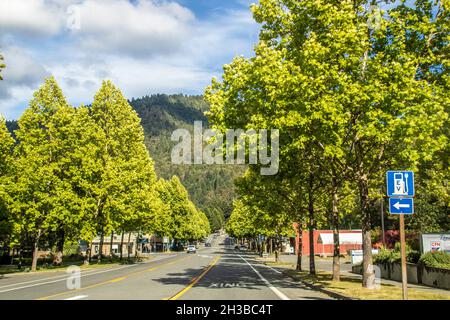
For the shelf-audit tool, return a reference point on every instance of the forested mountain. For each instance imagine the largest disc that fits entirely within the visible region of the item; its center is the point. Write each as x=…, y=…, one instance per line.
x=211, y=187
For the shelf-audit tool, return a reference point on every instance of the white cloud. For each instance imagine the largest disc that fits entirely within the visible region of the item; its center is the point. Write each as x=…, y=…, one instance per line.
x=22, y=71
x=148, y=46
x=31, y=17
x=143, y=29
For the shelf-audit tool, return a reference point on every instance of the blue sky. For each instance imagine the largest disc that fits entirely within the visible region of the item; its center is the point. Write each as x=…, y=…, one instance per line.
x=143, y=46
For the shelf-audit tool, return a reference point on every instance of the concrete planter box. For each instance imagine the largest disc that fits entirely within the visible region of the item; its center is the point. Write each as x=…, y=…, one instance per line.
x=417, y=274
x=435, y=277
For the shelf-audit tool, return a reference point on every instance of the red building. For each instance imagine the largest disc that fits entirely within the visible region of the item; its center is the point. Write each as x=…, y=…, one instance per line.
x=323, y=241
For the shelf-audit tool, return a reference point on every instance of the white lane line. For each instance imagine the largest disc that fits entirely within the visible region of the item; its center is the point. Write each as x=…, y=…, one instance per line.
x=85, y=272
x=277, y=271
x=65, y=277
x=76, y=298
x=280, y=294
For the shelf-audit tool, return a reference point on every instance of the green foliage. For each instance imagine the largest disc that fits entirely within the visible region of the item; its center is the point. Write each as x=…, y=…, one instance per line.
x=6, y=145
x=179, y=219
x=122, y=188
x=437, y=259
x=42, y=197
x=76, y=173
x=344, y=94
x=394, y=255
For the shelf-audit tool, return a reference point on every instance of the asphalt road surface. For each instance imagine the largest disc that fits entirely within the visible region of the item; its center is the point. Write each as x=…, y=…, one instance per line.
x=214, y=273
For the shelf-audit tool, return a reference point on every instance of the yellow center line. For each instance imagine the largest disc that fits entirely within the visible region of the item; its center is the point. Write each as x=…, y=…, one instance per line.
x=112, y=280
x=194, y=280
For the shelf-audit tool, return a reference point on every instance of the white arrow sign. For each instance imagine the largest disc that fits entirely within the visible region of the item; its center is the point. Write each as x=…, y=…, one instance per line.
x=398, y=205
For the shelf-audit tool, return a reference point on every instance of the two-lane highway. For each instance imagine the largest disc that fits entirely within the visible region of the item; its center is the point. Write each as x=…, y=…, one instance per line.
x=214, y=273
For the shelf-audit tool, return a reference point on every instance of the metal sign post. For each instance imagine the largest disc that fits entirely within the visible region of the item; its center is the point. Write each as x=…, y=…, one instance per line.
x=400, y=190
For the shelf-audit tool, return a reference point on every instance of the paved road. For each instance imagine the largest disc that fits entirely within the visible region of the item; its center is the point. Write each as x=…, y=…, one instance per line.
x=211, y=273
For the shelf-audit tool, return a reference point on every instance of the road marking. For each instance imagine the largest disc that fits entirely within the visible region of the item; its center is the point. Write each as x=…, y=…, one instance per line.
x=118, y=279
x=194, y=280
x=112, y=280
x=280, y=295
x=76, y=298
x=64, y=277
x=84, y=273
x=277, y=271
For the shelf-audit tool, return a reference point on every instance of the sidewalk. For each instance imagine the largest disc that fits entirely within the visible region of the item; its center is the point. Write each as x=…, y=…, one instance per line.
x=326, y=264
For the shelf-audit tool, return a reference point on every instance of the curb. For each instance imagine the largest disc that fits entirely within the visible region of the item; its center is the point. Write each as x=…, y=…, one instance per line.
x=319, y=288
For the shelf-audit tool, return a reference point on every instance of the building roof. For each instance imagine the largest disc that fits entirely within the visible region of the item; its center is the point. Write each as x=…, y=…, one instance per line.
x=344, y=238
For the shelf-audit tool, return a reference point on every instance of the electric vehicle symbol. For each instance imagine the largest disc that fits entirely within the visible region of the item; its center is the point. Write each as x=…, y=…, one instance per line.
x=400, y=184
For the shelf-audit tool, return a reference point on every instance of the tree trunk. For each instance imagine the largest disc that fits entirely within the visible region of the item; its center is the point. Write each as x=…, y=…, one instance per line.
x=102, y=222
x=312, y=224
x=12, y=256
x=100, y=247
x=87, y=256
x=276, y=243
x=299, y=247
x=19, y=263
x=58, y=256
x=35, y=251
x=335, y=223
x=111, y=246
x=368, y=272
x=128, y=245
x=121, y=245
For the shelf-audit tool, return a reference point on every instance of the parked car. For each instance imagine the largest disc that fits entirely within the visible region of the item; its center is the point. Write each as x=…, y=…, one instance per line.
x=191, y=249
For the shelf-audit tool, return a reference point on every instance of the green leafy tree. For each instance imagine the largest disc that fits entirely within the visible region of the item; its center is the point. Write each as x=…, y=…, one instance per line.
x=42, y=197
x=329, y=80
x=6, y=169
x=180, y=219
x=123, y=186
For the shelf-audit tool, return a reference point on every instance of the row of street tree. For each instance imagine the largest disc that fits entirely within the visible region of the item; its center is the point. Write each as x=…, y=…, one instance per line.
x=354, y=91
x=73, y=174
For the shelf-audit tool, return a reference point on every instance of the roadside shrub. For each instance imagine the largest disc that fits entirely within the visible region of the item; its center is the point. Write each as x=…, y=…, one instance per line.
x=390, y=256
x=437, y=259
x=383, y=256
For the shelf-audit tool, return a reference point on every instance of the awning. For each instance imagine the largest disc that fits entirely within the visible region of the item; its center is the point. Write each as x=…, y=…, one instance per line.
x=344, y=238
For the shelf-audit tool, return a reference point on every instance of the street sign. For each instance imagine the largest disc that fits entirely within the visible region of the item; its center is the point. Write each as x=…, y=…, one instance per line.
x=401, y=205
x=400, y=190
x=400, y=183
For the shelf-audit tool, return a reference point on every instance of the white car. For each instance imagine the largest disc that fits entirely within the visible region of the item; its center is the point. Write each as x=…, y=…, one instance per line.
x=191, y=248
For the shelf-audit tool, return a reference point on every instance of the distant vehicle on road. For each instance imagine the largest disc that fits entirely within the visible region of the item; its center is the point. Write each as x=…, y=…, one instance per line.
x=243, y=247
x=191, y=248
x=208, y=244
